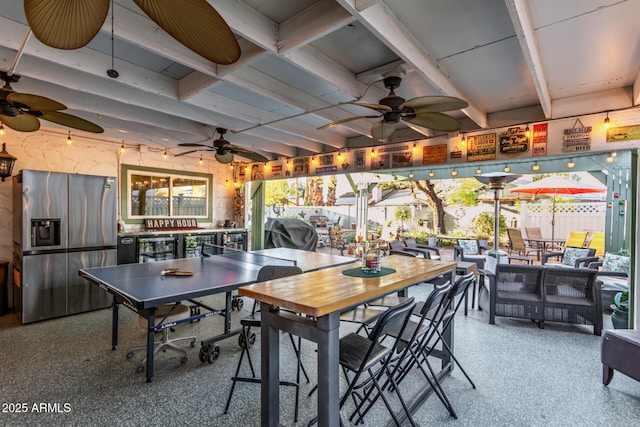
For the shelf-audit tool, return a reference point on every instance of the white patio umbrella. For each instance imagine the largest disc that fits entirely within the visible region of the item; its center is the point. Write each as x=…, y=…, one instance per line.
x=555, y=185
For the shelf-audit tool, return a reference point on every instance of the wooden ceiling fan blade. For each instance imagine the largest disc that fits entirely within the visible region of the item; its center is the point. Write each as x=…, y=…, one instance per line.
x=65, y=24
x=192, y=151
x=71, y=121
x=21, y=122
x=435, y=121
x=252, y=155
x=197, y=25
x=382, y=130
x=435, y=103
x=192, y=144
x=348, y=119
x=34, y=102
x=377, y=107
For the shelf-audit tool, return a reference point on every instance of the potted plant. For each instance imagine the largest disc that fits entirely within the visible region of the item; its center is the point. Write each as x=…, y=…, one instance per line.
x=620, y=307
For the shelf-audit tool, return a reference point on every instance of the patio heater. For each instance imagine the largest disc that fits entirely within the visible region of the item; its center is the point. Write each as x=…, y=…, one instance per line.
x=497, y=182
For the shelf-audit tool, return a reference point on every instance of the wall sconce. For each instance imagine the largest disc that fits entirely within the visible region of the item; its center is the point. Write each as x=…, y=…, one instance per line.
x=535, y=167
x=478, y=171
x=431, y=174
x=6, y=162
x=606, y=121
x=69, y=140
x=454, y=172
x=571, y=164
x=411, y=175
x=507, y=169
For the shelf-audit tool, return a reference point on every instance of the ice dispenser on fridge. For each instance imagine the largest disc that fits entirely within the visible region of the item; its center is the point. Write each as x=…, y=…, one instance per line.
x=45, y=232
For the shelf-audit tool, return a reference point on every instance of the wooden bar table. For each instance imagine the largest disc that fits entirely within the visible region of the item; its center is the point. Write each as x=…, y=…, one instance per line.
x=318, y=298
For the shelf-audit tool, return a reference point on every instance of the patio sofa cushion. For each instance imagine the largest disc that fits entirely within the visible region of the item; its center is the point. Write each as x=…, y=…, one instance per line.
x=571, y=255
x=614, y=262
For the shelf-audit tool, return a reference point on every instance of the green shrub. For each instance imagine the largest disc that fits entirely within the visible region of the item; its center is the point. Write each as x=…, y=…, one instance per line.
x=483, y=224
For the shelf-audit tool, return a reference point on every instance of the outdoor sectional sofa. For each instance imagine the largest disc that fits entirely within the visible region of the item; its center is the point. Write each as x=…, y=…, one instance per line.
x=542, y=293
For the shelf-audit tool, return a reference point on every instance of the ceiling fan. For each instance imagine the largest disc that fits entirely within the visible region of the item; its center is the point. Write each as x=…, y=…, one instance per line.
x=71, y=24
x=23, y=111
x=224, y=150
x=424, y=111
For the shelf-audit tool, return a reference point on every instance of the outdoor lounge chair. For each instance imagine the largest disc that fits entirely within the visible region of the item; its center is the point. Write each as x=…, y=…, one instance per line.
x=572, y=257
x=432, y=252
x=469, y=250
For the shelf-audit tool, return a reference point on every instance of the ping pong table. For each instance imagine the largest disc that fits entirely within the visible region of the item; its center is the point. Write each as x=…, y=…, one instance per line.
x=144, y=287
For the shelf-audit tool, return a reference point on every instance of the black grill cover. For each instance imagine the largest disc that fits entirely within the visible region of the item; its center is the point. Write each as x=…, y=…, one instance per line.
x=289, y=233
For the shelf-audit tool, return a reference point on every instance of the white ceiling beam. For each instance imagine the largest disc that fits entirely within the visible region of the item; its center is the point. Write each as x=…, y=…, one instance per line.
x=249, y=23
x=381, y=21
x=312, y=24
x=521, y=19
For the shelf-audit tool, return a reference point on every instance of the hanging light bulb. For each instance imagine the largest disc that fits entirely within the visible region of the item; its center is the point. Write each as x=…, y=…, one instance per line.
x=614, y=154
x=571, y=164
x=415, y=147
x=535, y=167
x=507, y=169
x=69, y=140
x=606, y=121
x=431, y=174
x=411, y=175
x=373, y=153
x=201, y=161
x=122, y=148
x=454, y=172
x=313, y=160
x=1, y=129
x=164, y=155
x=610, y=158
x=478, y=171
x=231, y=166
x=463, y=141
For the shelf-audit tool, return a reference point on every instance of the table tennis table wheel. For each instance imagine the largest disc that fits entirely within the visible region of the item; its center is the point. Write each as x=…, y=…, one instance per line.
x=209, y=353
x=252, y=339
x=237, y=303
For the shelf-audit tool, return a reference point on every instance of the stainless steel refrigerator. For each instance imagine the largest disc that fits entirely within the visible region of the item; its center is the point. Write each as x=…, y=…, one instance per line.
x=61, y=223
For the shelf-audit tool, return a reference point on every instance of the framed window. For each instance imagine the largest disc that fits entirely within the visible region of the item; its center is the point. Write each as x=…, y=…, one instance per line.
x=152, y=192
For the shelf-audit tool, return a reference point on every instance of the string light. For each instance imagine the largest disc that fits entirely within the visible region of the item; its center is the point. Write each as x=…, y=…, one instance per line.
x=527, y=131
x=164, y=155
x=415, y=147
x=313, y=160
x=606, y=121
x=69, y=140
x=201, y=161
x=411, y=175
x=507, y=169
x=478, y=171
x=535, y=167
x=1, y=129
x=373, y=153
x=122, y=148
x=571, y=164
x=431, y=174
x=454, y=172
x=463, y=141
x=610, y=158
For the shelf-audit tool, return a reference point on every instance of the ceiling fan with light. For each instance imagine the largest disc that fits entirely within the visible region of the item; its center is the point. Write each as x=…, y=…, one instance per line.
x=71, y=24
x=22, y=111
x=423, y=111
x=224, y=150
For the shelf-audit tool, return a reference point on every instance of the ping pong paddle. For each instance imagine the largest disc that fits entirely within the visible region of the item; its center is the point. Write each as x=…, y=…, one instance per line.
x=176, y=272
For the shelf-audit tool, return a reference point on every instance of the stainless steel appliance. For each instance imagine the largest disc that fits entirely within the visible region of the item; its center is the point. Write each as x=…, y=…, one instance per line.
x=62, y=223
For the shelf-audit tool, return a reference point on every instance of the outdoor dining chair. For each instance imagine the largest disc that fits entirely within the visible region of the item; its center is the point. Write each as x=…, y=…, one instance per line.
x=518, y=245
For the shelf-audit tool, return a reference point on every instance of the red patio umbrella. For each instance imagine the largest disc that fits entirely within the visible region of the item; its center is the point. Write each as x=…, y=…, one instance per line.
x=555, y=185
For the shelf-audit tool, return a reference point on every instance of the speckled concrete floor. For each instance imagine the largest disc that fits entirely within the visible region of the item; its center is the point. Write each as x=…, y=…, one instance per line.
x=525, y=376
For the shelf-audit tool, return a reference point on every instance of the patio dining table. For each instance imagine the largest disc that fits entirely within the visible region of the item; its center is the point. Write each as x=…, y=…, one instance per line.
x=546, y=245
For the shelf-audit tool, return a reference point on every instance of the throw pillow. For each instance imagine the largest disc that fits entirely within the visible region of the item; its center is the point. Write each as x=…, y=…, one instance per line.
x=572, y=254
x=617, y=263
x=469, y=247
